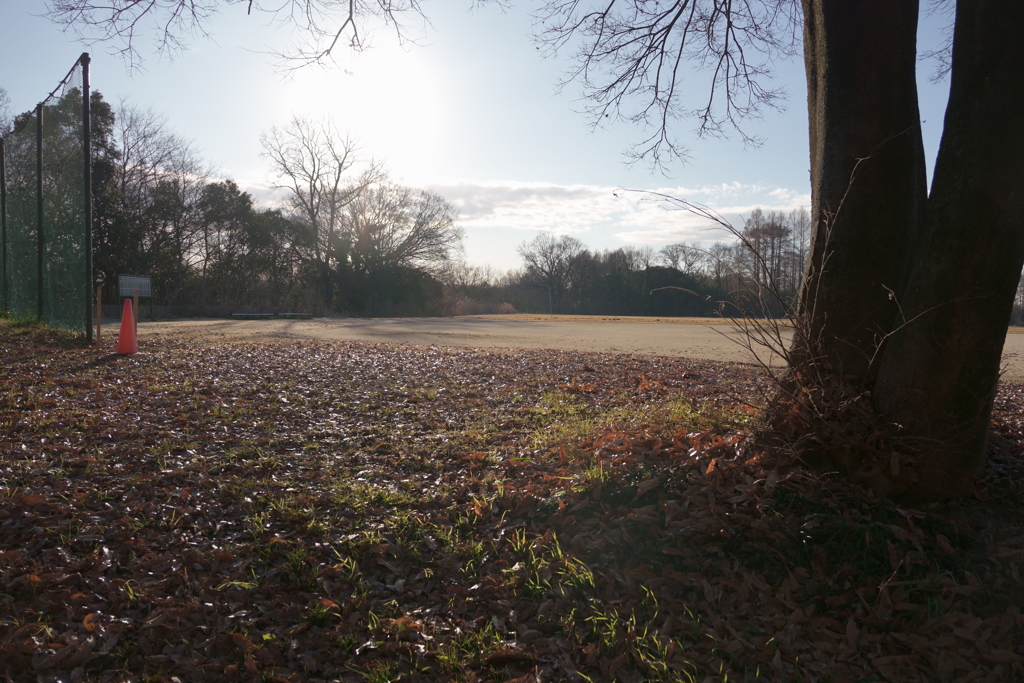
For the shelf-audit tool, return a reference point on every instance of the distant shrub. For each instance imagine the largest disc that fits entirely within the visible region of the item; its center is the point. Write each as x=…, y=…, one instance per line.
x=456, y=304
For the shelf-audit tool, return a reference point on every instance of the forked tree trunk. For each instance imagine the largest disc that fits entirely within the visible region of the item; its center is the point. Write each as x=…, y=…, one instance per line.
x=907, y=298
x=938, y=373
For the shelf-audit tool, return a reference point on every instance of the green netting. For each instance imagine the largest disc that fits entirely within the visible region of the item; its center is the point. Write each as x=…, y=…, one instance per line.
x=22, y=252
x=64, y=258
x=64, y=298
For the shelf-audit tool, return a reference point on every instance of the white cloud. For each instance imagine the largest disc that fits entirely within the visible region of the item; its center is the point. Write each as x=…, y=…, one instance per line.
x=631, y=216
x=263, y=195
x=499, y=215
x=533, y=206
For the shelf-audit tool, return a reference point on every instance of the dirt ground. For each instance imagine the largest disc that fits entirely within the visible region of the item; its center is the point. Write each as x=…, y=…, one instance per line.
x=701, y=338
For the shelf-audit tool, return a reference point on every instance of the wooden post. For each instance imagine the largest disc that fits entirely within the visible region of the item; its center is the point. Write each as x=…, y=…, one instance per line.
x=135, y=311
x=99, y=313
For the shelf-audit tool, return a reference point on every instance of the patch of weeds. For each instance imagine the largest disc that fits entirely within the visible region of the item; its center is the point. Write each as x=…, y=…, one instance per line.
x=319, y=614
x=424, y=394
x=466, y=649
x=473, y=554
x=257, y=524
x=319, y=526
x=379, y=671
x=137, y=522
x=360, y=595
x=346, y=642
x=300, y=573
x=542, y=568
x=295, y=558
x=360, y=495
x=246, y=585
x=132, y=591
x=347, y=567
x=292, y=508
x=655, y=656
x=447, y=537
x=244, y=452
x=561, y=418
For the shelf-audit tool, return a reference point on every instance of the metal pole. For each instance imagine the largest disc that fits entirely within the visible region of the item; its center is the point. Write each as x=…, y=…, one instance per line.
x=3, y=220
x=39, y=206
x=87, y=153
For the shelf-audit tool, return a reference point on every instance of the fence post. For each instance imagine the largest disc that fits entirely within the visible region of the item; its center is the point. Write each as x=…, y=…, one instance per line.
x=87, y=149
x=39, y=206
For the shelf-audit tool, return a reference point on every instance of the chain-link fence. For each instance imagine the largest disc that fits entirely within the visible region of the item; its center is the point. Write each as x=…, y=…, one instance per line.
x=45, y=208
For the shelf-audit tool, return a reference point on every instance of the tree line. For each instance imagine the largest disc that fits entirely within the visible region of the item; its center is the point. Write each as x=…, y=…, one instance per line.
x=345, y=239
x=561, y=275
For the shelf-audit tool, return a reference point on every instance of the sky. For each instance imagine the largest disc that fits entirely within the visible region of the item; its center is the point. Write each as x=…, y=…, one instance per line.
x=471, y=112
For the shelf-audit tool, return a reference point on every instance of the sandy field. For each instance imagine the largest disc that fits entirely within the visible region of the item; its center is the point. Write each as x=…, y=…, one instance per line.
x=702, y=338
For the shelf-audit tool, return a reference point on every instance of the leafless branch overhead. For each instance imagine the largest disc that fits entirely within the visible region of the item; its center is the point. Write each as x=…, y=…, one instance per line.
x=322, y=24
x=629, y=55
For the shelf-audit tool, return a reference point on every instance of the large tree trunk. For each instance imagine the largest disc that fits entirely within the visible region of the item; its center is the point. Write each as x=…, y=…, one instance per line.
x=938, y=373
x=867, y=172
x=907, y=298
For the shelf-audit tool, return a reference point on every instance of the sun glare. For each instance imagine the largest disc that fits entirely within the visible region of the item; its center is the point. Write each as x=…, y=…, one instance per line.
x=390, y=100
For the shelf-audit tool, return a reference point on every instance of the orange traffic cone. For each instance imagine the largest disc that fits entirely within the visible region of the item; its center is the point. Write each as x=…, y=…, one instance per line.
x=126, y=338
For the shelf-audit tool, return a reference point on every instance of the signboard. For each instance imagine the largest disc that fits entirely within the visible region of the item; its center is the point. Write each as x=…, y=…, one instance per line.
x=128, y=284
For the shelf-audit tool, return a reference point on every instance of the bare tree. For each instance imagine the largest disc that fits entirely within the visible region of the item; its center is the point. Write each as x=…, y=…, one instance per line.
x=321, y=25
x=314, y=163
x=629, y=57
x=465, y=278
x=148, y=151
x=800, y=227
x=721, y=265
x=638, y=258
x=548, y=262
x=388, y=226
x=767, y=241
x=5, y=113
x=151, y=183
x=686, y=258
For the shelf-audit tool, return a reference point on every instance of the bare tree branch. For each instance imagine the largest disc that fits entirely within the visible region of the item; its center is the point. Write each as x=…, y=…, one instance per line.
x=628, y=61
x=942, y=55
x=391, y=226
x=6, y=120
x=629, y=57
x=323, y=24
x=312, y=161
